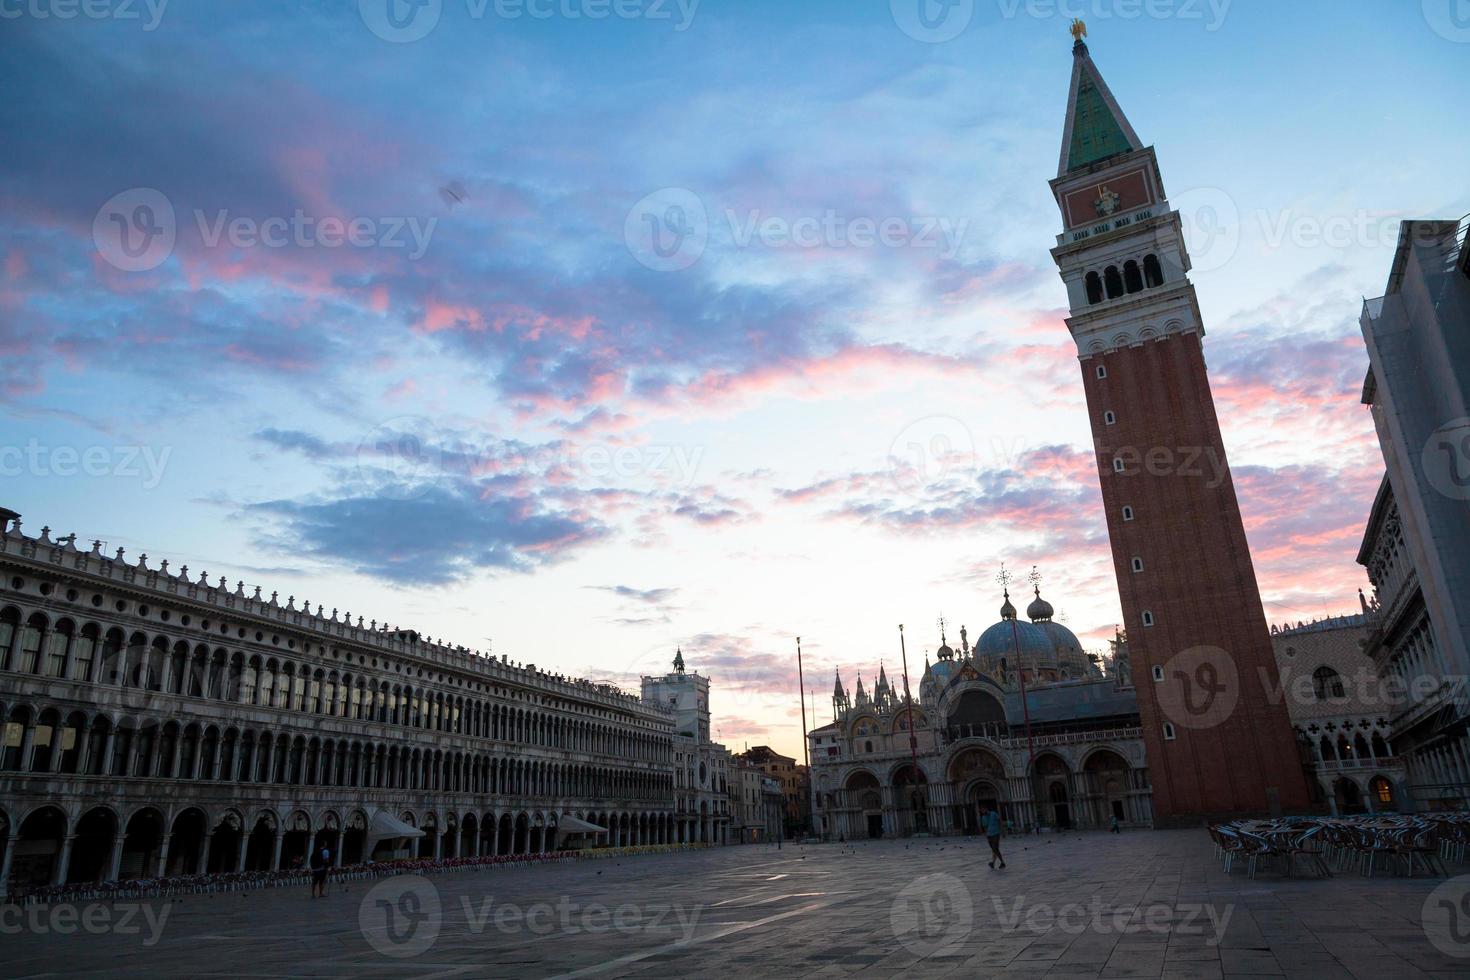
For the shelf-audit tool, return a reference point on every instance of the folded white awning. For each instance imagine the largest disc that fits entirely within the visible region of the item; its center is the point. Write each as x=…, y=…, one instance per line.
x=569, y=824
x=384, y=825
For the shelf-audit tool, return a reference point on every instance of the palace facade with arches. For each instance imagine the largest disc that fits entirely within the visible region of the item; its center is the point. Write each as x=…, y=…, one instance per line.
x=153, y=722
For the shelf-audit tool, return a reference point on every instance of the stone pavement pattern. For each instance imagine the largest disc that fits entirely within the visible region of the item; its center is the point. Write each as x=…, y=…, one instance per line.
x=1144, y=904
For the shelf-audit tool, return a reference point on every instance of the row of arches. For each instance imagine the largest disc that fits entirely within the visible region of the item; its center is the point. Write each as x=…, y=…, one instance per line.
x=1052, y=792
x=33, y=644
x=51, y=739
x=47, y=846
x=1134, y=277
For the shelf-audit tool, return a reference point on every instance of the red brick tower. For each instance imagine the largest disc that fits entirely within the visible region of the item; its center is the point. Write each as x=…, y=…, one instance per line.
x=1215, y=724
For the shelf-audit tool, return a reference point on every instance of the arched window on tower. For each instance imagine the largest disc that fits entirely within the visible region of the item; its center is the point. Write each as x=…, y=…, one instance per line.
x=1132, y=279
x=1153, y=273
x=1113, y=281
x=1094, y=288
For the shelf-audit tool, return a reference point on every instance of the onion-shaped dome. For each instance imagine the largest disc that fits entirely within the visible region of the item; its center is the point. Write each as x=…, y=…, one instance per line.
x=1040, y=610
x=1066, y=647
x=1007, y=611
x=1001, y=640
x=943, y=672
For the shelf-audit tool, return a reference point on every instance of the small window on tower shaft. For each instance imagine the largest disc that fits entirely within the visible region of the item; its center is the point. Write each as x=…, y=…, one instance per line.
x=1158, y=672
x=1109, y=418
x=1102, y=372
x=1138, y=564
x=1127, y=513
x=1168, y=731
x=1148, y=618
x=1117, y=464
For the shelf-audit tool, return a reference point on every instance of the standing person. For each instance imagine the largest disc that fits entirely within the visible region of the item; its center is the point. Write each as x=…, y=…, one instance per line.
x=1114, y=825
x=990, y=823
x=321, y=863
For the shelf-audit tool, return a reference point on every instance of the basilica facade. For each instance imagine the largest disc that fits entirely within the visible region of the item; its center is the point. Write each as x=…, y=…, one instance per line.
x=1024, y=721
x=156, y=722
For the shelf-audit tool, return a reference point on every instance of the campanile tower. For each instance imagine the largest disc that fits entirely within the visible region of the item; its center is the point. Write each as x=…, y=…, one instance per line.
x=1215, y=722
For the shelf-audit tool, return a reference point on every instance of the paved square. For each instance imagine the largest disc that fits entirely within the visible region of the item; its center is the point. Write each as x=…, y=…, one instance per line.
x=1144, y=904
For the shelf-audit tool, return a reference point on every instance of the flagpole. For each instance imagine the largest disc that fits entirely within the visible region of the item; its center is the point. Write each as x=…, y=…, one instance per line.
x=909, y=698
x=805, y=753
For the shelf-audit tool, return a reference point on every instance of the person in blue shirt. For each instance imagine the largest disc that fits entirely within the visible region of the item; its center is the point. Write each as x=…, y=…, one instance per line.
x=990, y=823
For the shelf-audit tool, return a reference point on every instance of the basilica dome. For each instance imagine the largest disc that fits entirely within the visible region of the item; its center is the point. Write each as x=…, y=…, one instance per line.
x=1001, y=641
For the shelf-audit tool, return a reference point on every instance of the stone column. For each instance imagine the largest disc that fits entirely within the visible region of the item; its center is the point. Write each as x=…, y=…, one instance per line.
x=244, y=850
x=63, y=861
x=163, y=854
x=201, y=860
x=438, y=844
x=27, y=746
x=5, y=862
x=276, y=852
x=114, y=865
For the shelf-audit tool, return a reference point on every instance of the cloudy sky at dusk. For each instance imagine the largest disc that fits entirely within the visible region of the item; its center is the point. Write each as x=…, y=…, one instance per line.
x=705, y=324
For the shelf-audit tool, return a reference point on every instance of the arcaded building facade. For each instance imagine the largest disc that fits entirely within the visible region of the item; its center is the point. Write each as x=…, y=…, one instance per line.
x=155, y=722
x=1342, y=712
x=1082, y=765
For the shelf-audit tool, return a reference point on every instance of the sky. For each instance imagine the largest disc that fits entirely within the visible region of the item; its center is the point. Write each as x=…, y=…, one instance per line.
x=584, y=330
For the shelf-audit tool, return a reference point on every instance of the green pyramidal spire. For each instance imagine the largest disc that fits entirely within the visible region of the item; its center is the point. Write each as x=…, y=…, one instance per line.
x=1096, y=127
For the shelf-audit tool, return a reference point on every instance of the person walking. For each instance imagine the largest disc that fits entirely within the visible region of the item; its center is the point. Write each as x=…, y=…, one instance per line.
x=321, y=863
x=1114, y=826
x=990, y=823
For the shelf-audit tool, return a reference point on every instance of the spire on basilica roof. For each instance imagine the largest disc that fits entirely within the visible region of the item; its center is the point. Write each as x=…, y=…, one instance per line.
x=1096, y=127
x=837, y=691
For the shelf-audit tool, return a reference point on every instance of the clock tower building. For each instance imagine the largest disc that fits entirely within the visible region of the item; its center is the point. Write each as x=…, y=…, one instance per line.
x=1215, y=724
